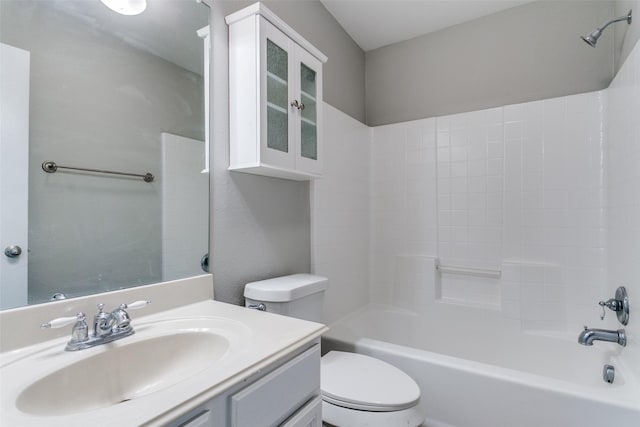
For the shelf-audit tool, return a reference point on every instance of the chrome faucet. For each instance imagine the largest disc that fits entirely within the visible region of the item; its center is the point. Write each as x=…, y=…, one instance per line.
x=588, y=336
x=107, y=327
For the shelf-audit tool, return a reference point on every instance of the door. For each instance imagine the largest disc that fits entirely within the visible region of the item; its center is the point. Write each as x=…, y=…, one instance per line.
x=14, y=175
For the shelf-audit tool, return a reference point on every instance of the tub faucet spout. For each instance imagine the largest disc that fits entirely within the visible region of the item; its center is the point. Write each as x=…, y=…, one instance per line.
x=589, y=335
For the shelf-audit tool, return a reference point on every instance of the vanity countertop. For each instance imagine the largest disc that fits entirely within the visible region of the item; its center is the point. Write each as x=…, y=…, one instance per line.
x=257, y=340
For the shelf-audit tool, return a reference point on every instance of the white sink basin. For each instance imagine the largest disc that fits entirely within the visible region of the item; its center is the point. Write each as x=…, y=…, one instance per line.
x=176, y=361
x=158, y=356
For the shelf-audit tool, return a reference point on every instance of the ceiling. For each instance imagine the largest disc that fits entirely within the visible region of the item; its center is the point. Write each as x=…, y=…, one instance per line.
x=376, y=23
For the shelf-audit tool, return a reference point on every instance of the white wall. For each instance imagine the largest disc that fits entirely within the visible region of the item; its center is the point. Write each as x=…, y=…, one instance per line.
x=340, y=214
x=185, y=206
x=623, y=191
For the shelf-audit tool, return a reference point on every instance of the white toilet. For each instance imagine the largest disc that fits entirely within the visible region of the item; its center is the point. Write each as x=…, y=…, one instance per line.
x=357, y=390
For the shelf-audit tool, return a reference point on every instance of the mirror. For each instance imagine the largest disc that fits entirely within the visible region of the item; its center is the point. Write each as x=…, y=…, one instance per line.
x=104, y=92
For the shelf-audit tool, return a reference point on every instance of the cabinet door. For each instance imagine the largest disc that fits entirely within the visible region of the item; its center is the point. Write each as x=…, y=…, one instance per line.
x=276, y=396
x=276, y=124
x=308, y=123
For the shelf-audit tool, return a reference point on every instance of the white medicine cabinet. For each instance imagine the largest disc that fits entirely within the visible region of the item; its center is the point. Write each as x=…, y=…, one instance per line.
x=275, y=97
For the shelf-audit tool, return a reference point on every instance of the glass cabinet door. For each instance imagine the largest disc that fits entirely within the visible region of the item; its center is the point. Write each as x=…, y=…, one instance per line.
x=309, y=117
x=308, y=126
x=277, y=97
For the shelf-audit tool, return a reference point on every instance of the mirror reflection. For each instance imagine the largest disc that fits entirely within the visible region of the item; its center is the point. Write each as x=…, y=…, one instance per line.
x=104, y=91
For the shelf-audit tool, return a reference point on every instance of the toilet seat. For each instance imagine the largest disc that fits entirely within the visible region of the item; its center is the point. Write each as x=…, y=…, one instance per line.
x=356, y=381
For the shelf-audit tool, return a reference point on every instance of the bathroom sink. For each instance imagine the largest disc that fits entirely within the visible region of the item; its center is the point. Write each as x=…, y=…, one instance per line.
x=157, y=357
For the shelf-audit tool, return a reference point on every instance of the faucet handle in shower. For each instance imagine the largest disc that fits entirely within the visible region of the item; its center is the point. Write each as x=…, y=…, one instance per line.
x=619, y=304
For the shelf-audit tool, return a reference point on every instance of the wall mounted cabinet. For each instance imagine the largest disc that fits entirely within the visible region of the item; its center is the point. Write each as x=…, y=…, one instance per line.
x=275, y=97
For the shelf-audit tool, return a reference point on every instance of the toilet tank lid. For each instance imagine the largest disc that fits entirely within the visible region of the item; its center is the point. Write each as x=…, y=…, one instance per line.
x=286, y=288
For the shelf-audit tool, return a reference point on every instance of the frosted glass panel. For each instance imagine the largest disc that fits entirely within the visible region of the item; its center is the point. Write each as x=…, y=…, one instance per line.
x=277, y=130
x=309, y=141
x=277, y=60
x=308, y=80
x=309, y=112
x=277, y=92
x=309, y=145
x=277, y=98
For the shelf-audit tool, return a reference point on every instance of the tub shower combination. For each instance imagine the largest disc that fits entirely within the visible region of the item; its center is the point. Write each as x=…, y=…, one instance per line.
x=477, y=372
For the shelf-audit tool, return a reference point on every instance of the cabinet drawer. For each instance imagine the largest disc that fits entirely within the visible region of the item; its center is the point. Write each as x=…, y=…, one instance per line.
x=272, y=399
x=310, y=415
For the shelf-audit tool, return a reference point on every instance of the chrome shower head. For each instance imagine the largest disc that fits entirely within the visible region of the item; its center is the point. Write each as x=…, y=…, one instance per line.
x=592, y=38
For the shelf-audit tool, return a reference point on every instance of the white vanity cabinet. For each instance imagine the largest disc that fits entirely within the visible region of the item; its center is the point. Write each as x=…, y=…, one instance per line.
x=275, y=97
x=287, y=394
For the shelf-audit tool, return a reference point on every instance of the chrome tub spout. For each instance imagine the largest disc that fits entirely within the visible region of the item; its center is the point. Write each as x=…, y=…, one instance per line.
x=589, y=335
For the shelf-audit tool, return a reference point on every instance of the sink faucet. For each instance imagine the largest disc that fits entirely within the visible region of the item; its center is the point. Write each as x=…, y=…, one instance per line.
x=588, y=336
x=118, y=321
x=107, y=327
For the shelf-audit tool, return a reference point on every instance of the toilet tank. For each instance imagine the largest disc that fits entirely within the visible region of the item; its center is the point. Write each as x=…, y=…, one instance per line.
x=297, y=295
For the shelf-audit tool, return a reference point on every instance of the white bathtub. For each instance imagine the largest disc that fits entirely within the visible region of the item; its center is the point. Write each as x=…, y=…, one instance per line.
x=481, y=374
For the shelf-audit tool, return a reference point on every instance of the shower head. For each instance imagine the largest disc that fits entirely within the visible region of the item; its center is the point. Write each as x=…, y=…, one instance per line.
x=592, y=38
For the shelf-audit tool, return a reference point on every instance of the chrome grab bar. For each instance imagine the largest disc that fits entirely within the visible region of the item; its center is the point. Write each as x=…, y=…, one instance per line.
x=468, y=271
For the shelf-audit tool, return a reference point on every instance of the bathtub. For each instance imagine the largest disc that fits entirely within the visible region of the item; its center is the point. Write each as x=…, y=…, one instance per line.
x=487, y=373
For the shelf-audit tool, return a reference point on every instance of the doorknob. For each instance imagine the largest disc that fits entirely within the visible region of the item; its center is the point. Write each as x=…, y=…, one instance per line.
x=13, y=251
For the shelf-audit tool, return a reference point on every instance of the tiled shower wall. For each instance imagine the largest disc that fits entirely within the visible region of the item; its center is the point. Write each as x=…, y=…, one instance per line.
x=547, y=192
x=623, y=197
x=518, y=189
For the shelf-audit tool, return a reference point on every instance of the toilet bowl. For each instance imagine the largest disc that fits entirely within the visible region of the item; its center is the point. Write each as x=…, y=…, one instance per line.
x=357, y=390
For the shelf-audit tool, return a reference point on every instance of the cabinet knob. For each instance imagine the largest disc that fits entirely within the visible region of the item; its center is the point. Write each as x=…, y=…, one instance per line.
x=296, y=104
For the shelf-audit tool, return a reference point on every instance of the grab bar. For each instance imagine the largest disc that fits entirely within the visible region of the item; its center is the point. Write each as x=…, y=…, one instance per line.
x=469, y=271
x=51, y=167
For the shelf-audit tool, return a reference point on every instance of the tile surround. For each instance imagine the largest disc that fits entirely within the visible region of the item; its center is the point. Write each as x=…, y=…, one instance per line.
x=518, y=187
x=546, y=191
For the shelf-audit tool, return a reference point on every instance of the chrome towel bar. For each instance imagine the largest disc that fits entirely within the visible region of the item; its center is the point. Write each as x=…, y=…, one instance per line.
x=51, y=167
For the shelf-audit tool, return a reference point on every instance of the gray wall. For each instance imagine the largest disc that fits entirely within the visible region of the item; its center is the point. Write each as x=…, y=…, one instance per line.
x=525, y=53
x=95, y=102
x=260, y=225
x=626, y=36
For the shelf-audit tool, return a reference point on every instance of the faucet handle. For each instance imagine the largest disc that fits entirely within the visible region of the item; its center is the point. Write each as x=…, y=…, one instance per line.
x=135, y=305
x=619, y=304
x=602, y=304
x=612, y=304
x=64, y=321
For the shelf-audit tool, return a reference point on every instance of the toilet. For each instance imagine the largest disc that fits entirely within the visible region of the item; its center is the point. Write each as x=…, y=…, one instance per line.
x=357, y=390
